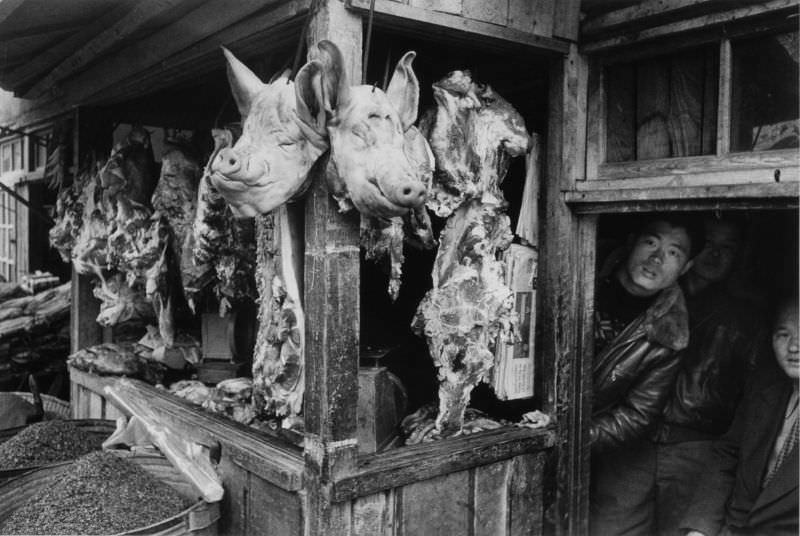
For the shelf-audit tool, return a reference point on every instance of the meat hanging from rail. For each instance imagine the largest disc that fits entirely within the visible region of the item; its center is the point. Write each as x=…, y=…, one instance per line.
x=473, y=134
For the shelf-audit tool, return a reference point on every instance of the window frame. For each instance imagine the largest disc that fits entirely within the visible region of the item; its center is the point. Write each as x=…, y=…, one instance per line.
x=746, y=174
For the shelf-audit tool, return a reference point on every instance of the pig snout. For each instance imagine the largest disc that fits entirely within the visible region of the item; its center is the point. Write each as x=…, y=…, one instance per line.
x=228, y=163
x=405, y=193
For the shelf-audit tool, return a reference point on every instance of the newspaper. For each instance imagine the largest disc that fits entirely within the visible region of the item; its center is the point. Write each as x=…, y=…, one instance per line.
x=514, y=364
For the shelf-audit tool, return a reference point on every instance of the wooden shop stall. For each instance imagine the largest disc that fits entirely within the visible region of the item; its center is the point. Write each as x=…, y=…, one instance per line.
x=631, y=107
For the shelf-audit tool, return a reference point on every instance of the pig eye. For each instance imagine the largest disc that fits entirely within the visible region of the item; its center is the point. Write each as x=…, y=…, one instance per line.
x=374, y=116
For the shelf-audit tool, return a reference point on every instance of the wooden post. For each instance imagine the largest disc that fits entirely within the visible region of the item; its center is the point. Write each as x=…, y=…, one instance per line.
x=332, y=278
x=84, y=307
x=568, y=392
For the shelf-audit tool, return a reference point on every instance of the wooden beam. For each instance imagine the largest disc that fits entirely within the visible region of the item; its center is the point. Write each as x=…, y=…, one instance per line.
x=704, y=23
x=593, y=201
x=274, y=26
x=144, y=12
x=401, y=467
x=567, y=19
x=42, y=29
x=565, y=371
x=332, y=308
x=652, y=13
x=761, y=166
x=332, y=274
x=44, y=61
x=8, y=7
x=395, y=13
x=206, y=20
x=272, y=459
x=723, y=145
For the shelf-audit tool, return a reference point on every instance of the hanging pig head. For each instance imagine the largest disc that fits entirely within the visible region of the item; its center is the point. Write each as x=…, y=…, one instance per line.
x=283, y=135
x=379, y=162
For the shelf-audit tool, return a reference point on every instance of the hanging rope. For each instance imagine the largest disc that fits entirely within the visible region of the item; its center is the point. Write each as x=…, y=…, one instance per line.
x=386, y=69
x=313, y=8
x=365, y=59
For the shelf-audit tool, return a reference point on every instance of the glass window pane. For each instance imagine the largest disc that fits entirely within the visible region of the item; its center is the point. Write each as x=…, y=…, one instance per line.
x=662, y=107
x=6, y=157
x=764, y=98
x=17, y=155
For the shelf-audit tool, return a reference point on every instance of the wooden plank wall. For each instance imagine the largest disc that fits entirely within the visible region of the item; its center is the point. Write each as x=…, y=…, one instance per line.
x=544, y=18
x=498, y=499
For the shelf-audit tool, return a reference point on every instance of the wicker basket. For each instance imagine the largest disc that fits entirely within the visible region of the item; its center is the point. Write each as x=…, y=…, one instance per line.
x=54, y=408
x=200, y=519
x=99, y=429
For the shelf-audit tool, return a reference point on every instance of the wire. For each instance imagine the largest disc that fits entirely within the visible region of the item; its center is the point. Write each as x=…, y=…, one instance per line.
x=365, y=59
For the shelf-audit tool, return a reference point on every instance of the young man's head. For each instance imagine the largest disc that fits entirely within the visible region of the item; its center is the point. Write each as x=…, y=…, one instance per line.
x=723, y=238
x=784, y=339
x=660, y=253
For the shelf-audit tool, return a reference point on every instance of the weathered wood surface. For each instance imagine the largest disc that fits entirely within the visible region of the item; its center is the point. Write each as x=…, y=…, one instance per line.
x=272, y=29
x=332, y=272
x=650, y=13
x=270, y=458
x=724, y=110
x=685, y=116
x=393, y=468
x=753, y=167
x=272, y=510
x=7, y=8
x=618, y=98
x=566, y=375
x=142, y=13
x=540, y=17
x=440, y=505
x=332, y=308
x=652, y=108
x=566, y=19
x=419, y=18
x=50, y=57
x=84, y=308
x=709, y=22
x=711, y=110
x=504, y=498
x=207, y=19
x=591, y=201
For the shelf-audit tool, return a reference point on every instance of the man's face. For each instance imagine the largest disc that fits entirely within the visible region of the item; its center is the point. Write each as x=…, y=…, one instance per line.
x=784, y=342
x=715, y=262
x=659, y=256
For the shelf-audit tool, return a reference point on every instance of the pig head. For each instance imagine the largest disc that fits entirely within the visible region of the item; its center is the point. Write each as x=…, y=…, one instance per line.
x=283, y=134
x=379, y=162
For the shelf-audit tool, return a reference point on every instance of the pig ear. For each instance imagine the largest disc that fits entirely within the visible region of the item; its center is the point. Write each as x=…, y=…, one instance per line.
x=309, y=93
x=403, y=90
x=244, y=83
x=336, y=85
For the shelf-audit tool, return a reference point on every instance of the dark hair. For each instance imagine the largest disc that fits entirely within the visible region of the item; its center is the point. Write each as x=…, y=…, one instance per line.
x=781, y=305
x=689, y=222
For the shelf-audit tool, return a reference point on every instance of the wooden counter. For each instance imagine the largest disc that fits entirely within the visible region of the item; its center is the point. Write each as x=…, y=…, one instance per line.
x=489, y=483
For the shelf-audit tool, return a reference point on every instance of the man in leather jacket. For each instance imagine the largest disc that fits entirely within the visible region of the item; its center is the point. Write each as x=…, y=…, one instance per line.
x=640, y=323
x=725, y=335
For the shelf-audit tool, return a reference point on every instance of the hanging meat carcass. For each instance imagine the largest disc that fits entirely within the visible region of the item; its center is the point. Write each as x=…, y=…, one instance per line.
x=222, y=247
x=473, y=133
x=174, y=201
x=379, y=162
x=282, y=136
x=69, y=214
